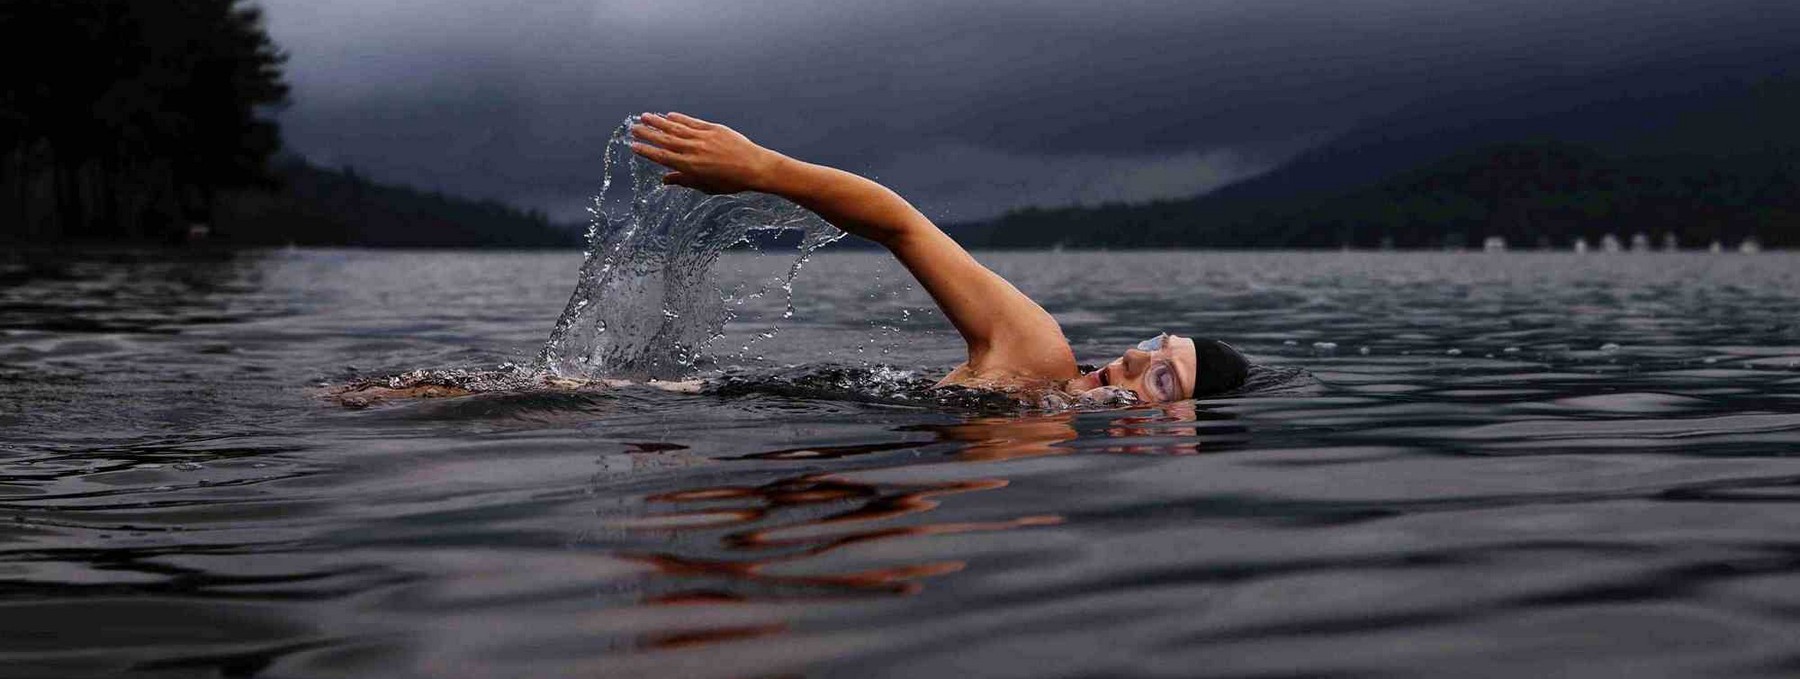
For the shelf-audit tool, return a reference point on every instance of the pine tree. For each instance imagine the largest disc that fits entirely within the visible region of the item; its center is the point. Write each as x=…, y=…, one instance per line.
x=124, y=119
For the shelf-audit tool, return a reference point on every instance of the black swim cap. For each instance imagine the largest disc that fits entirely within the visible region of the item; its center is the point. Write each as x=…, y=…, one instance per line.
x=1218, y=368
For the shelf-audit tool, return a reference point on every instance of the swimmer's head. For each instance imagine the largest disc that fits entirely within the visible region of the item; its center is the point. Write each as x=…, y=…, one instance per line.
x=1170, y=368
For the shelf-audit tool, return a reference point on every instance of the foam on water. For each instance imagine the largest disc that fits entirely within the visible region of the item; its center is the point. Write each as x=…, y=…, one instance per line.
x=646, y=303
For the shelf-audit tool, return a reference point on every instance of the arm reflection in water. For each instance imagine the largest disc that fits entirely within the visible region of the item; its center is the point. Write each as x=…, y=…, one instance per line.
x=761, y=543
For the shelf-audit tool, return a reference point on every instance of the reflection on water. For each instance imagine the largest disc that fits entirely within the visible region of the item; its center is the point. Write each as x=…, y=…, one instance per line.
x=762, y=543
x=1510, y=465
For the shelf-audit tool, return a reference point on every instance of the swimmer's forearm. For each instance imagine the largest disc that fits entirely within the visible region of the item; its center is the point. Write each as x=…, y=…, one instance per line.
x=966, y=291
x=850, y=202
x=717, y=159
x=985, y=308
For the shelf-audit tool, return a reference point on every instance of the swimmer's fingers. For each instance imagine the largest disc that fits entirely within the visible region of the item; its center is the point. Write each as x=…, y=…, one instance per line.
x=669, y=126
x=660, y=138
x=678, y=179
x=691, y=121
x=660, y=156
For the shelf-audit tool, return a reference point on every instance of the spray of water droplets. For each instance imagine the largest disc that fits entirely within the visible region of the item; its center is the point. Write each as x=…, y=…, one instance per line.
x=647, y=303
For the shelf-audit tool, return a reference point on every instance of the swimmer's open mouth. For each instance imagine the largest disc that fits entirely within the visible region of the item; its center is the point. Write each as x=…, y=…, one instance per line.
x=1102, y=376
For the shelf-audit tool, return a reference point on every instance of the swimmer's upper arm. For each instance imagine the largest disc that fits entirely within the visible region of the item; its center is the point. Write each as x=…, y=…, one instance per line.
x=1002, y=327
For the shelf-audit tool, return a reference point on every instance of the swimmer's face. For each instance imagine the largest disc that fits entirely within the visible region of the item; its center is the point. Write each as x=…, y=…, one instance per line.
x=1158, y=370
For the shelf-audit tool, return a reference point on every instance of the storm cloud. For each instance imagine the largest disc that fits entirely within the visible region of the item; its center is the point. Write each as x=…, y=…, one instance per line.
x=969, y=108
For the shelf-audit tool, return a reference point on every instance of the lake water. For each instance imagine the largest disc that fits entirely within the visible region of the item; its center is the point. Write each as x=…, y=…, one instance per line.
x=1500, y=465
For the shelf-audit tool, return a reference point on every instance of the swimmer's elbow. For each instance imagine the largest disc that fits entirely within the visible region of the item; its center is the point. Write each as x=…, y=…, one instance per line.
x=906, y=231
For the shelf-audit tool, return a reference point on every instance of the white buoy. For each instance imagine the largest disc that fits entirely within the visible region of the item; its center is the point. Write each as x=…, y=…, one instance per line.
x=1581, y=247
x=1716, y=247
x=1493, y=244
x=1671, y=243
x=1750, y=246
x=1610, y=243
x=1640, y=242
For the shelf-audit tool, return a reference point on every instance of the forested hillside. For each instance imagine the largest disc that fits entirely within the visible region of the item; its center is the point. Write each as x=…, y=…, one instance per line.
x=1718, y=168
x=315, y=206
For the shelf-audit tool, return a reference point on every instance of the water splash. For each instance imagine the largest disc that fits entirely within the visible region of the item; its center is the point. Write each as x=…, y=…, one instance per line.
x=886, y=385
x=647, y=304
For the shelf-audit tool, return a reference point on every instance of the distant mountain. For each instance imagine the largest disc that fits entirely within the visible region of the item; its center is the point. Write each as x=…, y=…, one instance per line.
x=1545, y=165
x=317, y=206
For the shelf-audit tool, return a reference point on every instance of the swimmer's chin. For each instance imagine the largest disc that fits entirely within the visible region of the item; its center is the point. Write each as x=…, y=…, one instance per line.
x=1086, y=382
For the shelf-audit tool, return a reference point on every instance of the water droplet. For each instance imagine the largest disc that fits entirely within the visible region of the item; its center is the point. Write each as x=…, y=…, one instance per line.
x=1510, y=350
x=1454, y=352
x=1609, y=346
x=1362, y=350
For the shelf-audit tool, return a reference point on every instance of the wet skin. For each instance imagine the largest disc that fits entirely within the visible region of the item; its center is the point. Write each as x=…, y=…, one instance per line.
x=1158, y=370
x=1012, y=341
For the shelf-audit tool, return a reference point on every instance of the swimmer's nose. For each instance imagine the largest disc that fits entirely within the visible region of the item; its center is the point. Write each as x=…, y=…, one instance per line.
x=1136, y=361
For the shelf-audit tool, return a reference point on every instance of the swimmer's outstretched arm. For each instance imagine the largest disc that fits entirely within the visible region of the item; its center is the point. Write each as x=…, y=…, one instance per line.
x=1005, y=330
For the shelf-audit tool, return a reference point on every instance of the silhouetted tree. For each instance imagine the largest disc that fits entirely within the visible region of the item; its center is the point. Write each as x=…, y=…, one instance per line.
x=126, y=118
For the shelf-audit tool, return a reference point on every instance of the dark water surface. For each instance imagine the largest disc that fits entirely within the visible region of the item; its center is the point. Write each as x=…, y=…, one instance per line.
x=1544, y=464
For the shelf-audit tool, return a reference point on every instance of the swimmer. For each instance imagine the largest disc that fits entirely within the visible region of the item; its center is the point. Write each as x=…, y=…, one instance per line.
x=1013, y=344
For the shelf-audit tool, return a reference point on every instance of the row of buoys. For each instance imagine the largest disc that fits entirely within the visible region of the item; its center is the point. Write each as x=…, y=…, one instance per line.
x=1640, y=242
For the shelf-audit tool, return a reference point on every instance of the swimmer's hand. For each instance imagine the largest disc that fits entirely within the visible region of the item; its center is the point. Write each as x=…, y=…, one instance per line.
x=706, y=156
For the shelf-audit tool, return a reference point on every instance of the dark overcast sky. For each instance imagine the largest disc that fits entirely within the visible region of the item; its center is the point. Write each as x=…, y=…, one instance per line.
x=967, y=107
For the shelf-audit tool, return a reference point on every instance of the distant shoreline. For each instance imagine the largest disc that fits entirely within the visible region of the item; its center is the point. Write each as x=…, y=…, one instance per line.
x=98, y=248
